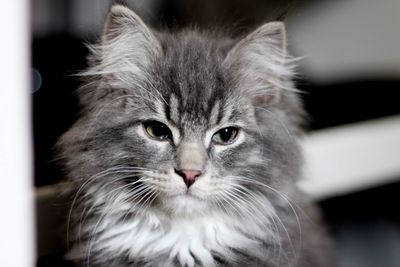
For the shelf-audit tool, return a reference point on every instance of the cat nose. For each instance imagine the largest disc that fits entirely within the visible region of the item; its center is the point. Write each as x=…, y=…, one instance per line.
x=189, y=176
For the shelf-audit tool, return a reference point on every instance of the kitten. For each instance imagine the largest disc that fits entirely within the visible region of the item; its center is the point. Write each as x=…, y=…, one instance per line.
x=186, y=153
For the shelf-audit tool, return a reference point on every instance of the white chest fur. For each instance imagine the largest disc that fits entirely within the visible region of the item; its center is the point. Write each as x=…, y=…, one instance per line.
x=186, y=239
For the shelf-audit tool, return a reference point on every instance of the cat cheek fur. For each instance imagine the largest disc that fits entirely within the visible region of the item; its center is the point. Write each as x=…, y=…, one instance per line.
x=131, y=208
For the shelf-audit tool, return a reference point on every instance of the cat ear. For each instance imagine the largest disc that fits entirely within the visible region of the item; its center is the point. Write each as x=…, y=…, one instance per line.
x=123, y=58
x=258, y=63
x=122, y=21
x=127, y=42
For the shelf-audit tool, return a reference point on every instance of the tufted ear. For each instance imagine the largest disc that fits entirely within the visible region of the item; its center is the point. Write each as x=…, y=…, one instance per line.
x=122, y=21
x=127, y=46
x=126, y=37
x=124, y=57
x=258, y=63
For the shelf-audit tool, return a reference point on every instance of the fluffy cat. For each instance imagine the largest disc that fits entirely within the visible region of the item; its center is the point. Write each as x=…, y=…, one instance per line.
x=186, y=154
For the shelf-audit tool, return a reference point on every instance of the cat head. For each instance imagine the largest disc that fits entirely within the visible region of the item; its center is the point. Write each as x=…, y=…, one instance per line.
x=184, y=122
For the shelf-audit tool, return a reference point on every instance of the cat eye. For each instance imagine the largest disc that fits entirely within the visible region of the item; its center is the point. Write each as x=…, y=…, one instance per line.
x=157, y=130
x=225, y=136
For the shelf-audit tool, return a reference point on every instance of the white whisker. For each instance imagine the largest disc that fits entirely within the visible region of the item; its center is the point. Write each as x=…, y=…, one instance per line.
x=286, y=199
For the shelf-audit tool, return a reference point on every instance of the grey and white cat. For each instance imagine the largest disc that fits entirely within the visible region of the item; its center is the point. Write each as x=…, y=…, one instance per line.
x=186, y=152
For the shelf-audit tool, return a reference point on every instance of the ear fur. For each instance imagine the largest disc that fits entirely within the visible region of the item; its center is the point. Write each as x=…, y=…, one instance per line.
x=258, y=63
x=128, y=46
x=121, y=20
x=123, y=58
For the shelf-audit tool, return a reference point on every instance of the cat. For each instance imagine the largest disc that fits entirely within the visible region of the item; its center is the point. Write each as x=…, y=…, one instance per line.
x=186, y=152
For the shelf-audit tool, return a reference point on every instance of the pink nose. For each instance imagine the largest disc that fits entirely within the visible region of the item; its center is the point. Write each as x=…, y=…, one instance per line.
x=189, y=176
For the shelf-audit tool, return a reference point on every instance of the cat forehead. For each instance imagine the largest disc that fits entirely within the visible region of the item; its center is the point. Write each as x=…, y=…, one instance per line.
x=191, y=65
x=193, y=80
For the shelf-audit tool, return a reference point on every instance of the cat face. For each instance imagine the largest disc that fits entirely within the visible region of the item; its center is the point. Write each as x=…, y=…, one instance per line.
x=183, y=123
x=188, y=136
x=192, y=147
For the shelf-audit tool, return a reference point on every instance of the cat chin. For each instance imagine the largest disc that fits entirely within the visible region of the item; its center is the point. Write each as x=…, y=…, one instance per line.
x=186, y=205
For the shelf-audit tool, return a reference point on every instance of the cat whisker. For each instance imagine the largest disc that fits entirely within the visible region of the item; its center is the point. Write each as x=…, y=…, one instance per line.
x=250, y=207
x=280, y=194
x=251, y=201
x=285, y=198
x=105, y=213
x=223, y=203
x=228, y=199
x=137, y=196
x=84, y=216
x=144, y=197
x=110, y=171
x=143, y=190
x=273, y=215
x=120, y=188
x=79, y=191
x=249, y=210
x=217, y=201
x=91, y=239
x=255, y=203
x=148, y=199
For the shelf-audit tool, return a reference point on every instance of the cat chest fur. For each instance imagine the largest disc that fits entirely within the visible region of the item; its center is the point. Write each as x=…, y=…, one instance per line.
x=190, y=241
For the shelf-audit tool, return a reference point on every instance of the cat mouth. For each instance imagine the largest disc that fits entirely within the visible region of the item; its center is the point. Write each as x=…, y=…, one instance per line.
x=188, y=195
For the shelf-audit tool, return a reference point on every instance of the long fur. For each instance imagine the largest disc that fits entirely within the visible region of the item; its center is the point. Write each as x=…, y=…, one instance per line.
x=130, y=208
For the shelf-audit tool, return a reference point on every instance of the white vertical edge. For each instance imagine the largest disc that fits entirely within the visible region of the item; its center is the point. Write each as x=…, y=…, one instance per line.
x=16, y=183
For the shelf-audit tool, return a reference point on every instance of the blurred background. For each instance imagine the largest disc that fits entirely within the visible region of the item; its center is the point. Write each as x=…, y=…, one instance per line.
x=349, y=72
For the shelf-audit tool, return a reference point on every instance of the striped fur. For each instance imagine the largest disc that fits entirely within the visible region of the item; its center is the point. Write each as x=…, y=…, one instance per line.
x=130, y=208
